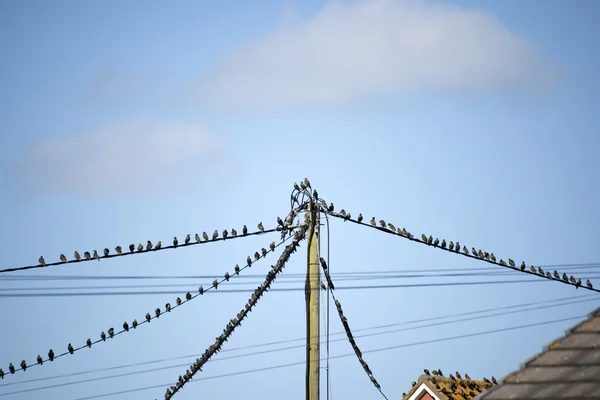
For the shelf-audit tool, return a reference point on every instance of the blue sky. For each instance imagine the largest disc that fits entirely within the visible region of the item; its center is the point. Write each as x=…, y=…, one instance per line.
x=124, y=122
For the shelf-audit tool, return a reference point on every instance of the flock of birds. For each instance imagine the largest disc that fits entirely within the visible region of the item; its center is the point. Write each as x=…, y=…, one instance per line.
x=235, y=322
x=457, y=384
x=344, y=320
x=110, y=333
x=153, y=247
x=455, y=247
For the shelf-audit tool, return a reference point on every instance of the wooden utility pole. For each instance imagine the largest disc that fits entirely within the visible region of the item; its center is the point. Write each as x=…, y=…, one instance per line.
x=312, y=292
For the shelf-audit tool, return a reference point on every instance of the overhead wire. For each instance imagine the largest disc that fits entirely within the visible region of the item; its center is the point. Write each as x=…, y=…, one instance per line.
x=158, y=312
x=153, y=248
x=235, y=322
x=380, y=349
x=533, y=306
x=479, y=255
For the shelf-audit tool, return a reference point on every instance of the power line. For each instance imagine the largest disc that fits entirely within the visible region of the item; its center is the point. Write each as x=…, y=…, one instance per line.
x=434, y=324
x=235, y=322
x=227, y=291
x=143, y=250
x=168, y=308
x=344, y=355
x=13, y=277
x=479, y=255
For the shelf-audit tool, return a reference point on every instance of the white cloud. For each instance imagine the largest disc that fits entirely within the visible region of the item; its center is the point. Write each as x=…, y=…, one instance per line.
x=367, y=48
x=131, y=157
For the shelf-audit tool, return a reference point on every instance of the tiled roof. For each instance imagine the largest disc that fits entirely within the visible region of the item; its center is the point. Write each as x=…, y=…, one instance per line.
x=450, y=388
x=568, y=368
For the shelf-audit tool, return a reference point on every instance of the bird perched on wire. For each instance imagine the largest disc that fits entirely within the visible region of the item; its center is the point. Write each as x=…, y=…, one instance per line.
x=119, y=250
x=261, y=227
x=215, y=235
x=175, y=241
x=70, y=348
x=89, y=343
x=40, y=360
x=96, y=256
x=63, y=258
x=77, y=255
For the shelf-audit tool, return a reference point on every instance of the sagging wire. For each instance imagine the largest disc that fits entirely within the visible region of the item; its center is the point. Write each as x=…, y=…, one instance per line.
x=456, y=248
x=235, y=322
x=434, y=324
x=111, y=333
x=349, y=332
x=150, y=247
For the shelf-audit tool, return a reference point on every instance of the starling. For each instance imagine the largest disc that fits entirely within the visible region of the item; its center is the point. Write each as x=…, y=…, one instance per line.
x=148, y=317
x=103, y=336
x=51, y=355
x=40, y=360
x=245, y=230
x=77, y=255
x=480, y=254
x=197, y=238
x=523, y=265
x=178, y=301
x=237, y=269
x=486, y=380
x=589, y=284
x=486, y=255
x=1, y=374
x=264, y=252
x=360, y=218
x=233, y=233
x=426, y=371
x=249, y=261
x=330, y=208
x=126, y=326
x=451, y=246
x=440, y=372
x=140, y=247
x=24, y=365
x=452, y=377
x=548, y=275
x=541, y=271
x=435, y=373
x=572, y=279
x=296, y=186
x=63, y=258
x=187, y=239
x=443, y=243
x=533, y=270
x=149, y=245
x=201, y=290
x=256, y=256
x=215, y=283
x=279, y=221
x=467, y=377
x=430, y=240
x=373, y=222
x=493, y=257
x=392, y=227
x=106, y=252
x=494, y=380
x=111, y=332
x=474, y=252
x=70, y=348
x=131, y=248
x=119, y=250
x=382, y=223
x=306, y=182
x=157, y=312
x=465, y=250
x=556, y=275
x=272, y=246
x=89, y=343
x=458, y=375
x=578, y=283
x=457, y=247
x=564, y=277
x=423, y=238
x=158, y=245
x=96, y=256
x=323, y=286
x=511, y=262
x=436, y=242
x=175, y=241
x=502, y=262
x=134, y=323
x=215, y=235
x=11, y=368
x=261, y=227
x=188, y=295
